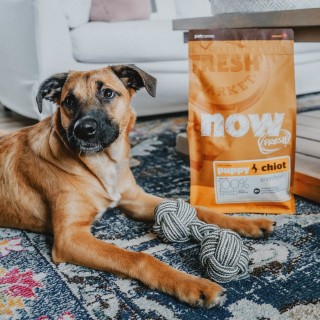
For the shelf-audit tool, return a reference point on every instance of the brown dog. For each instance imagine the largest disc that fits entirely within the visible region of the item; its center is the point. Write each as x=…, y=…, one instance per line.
x=57, y=175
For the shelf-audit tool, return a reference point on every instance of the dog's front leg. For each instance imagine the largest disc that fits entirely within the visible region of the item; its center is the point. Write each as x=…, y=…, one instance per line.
x=245, y=226
x=74, y=243
x=140, y=205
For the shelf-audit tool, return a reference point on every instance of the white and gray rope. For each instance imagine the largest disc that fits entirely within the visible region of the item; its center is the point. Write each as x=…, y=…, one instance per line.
x=222, y=251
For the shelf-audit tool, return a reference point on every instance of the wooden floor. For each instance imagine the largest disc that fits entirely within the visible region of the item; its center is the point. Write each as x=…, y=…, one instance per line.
x=307, y=171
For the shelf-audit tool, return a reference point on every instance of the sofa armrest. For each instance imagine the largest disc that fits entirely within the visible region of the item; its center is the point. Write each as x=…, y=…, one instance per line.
x=35, y=43
x=77, y=12
x=35, y=37
x=17, y=54
x=53, y=43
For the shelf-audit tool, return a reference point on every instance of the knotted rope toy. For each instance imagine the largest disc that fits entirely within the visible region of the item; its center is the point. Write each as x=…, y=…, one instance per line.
x=222, y=252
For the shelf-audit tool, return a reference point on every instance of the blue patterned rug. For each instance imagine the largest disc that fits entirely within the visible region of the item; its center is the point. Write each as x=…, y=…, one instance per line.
x=284, y=279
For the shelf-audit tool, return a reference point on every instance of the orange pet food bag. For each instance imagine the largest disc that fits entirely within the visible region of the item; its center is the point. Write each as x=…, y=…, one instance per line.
x=242, y=119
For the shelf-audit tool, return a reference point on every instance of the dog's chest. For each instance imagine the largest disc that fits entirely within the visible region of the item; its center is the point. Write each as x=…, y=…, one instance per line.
x=106, y=171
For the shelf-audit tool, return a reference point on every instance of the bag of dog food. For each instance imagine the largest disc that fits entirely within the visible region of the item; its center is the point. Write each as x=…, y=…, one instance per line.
x=242, y=119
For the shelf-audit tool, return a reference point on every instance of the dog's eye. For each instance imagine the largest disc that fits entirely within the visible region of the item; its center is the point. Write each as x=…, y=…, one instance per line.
x=70, y=101
x=108, y=93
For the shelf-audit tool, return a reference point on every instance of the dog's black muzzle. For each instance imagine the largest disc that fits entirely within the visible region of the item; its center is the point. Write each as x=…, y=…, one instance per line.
x=85, y=129
x=92, y=132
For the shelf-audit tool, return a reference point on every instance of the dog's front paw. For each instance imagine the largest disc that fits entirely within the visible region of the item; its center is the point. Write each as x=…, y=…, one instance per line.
x=255, y=228
x=200, y=292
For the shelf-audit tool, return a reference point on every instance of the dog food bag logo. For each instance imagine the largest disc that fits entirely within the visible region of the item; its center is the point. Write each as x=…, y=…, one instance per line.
x=267, y=128
x=241, y=125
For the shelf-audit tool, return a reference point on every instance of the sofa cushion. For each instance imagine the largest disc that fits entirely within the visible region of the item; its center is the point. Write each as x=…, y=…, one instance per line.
x=128, y=41
x=120, y=10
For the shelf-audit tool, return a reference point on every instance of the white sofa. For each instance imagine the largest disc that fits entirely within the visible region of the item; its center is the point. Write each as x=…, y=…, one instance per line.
x=42, y=37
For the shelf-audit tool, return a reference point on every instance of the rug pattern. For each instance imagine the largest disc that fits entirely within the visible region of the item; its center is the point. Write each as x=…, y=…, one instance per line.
x=284, y=279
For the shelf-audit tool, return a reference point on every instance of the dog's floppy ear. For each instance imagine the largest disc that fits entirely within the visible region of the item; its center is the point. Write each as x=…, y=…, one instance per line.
x=50, y=89
x=135, y=78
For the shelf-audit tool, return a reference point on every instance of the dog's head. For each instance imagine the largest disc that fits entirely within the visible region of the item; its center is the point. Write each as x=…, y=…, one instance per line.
x=94, y=106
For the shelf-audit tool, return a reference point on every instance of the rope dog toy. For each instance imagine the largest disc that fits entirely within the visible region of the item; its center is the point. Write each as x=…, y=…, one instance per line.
x=222, y=252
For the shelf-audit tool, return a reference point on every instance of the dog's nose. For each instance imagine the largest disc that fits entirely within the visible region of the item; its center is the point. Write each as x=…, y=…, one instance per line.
x=86, y=129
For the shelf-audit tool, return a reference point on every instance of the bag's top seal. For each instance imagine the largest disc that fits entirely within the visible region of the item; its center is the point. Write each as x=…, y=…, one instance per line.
x=240, y=34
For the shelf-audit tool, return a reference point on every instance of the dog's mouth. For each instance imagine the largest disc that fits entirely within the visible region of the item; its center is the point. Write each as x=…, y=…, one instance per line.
x=90, y=148
x=84, y=137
